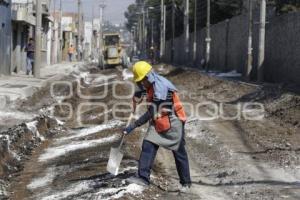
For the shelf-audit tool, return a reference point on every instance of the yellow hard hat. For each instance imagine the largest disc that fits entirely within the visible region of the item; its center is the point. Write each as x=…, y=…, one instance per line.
x=140, y=70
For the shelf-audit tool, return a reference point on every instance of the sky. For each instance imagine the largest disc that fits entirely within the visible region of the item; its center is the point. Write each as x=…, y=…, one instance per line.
x=114, y=11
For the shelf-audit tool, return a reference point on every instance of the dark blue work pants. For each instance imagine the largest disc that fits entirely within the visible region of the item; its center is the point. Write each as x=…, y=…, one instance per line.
x=147, y=158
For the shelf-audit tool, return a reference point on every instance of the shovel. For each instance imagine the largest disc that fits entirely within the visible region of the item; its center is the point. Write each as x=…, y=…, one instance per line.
x=116, y=156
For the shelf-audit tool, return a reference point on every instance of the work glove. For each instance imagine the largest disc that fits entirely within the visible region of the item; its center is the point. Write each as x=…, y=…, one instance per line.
x=129, y=129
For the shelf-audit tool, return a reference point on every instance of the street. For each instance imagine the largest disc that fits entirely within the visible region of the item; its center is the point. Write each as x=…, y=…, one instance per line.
x=149, y=99
x=229, y=159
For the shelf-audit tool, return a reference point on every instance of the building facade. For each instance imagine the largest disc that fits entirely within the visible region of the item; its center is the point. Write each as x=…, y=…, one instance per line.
x=23, y=28
x=5, y=37
x=23, y=22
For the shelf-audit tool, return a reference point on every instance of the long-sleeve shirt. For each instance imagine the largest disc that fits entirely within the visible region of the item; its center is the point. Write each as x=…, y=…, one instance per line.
x=30, y=50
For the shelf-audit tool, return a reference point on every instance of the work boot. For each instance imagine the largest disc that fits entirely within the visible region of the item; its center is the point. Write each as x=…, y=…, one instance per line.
x=185, y=188
x=137, y=180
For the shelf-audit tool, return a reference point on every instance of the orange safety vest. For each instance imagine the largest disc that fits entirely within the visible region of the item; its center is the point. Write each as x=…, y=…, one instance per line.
x=71, y=50
x=162, y=123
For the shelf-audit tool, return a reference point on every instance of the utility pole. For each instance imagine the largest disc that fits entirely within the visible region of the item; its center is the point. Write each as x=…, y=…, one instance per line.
x=132, y=41
x=186, y=29
x=250, y=49
x=135, y=40
x=208, y=38
x=60, y=32
x=79, y=29
x=102, y=6
x=53, y=38
x=262, y=36
x=173, y=32
x=38, y=42
x=143, y=31
x=140, y=35
x=195, y=34
x=152, y=34
x=93, y=38
x=148, y=29
x=162, y=30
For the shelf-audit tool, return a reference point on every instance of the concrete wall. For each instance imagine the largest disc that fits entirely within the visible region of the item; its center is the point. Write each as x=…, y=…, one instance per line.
x=5, y=38
x=283, y=49
x=229, y=47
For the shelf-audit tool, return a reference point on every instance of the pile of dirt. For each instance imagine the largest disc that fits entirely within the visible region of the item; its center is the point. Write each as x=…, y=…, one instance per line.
x=286, y=109
x=201, y=86
x=21, y=137
x=17, y=144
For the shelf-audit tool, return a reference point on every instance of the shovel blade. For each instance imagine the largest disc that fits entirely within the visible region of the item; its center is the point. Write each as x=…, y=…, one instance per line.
x=115, y=158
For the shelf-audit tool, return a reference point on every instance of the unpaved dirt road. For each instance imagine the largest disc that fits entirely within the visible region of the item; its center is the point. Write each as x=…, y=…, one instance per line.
x=231, y=158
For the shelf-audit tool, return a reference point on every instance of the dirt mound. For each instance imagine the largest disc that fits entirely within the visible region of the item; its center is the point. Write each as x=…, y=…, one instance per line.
x=17, y=144
x=286, y=109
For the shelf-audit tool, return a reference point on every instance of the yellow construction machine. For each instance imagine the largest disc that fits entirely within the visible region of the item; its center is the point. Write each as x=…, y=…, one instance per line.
x=112, y=51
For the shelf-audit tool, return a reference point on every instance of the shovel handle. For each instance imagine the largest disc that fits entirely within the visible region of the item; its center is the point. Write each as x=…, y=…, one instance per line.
x=129, y=119
x=122, y=141
x=123, y=136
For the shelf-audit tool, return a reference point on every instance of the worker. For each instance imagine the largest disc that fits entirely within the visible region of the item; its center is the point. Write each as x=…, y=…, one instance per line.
x=71, y=52
x=152, y=55
x=30, y=56
x=167, y=118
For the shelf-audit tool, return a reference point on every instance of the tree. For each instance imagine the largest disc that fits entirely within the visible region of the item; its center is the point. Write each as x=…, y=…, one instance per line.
x=286, y=6
x=131, y=15
x=220, y=11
